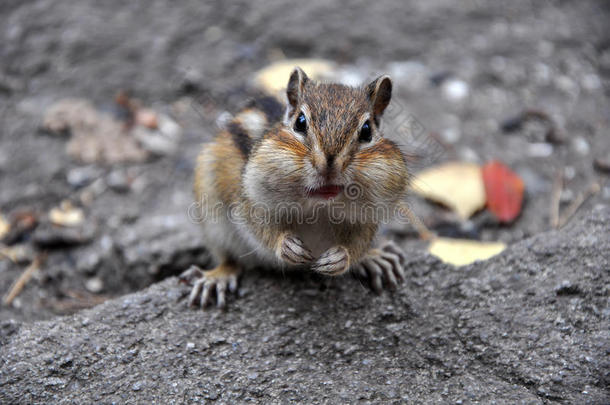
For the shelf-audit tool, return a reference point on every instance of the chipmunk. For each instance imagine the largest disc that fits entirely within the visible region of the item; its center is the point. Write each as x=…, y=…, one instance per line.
x=288, y=188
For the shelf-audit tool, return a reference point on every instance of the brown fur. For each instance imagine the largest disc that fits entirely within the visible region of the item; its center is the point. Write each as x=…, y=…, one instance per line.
x=278, y=160
x=225, y=161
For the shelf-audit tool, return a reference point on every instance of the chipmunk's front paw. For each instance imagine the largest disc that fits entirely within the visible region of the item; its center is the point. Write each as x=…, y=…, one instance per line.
x=383, y=266
x=292, y=250
x=212, y=285
x=333, y=262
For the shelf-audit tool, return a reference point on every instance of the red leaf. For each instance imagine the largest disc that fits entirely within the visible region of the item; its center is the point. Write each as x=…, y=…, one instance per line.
x=504, y=190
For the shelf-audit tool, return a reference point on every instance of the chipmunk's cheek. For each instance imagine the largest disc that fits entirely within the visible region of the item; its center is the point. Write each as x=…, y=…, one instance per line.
x=308, y=176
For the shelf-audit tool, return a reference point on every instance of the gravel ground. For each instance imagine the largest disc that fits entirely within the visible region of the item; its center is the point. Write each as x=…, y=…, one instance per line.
x=528, y=326
x=509, y=329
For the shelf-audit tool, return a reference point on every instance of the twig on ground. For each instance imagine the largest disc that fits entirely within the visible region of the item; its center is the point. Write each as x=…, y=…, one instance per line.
x=422, y=230
x=23, y=279
x=577, y=203
x=555, y=199
x=76, y=300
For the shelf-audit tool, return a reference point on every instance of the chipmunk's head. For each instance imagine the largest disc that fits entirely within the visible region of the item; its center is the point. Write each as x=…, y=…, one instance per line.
x=330, y=144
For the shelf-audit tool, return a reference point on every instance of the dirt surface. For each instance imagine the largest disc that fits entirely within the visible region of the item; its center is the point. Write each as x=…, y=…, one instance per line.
x=525, y=327
x=462, y=72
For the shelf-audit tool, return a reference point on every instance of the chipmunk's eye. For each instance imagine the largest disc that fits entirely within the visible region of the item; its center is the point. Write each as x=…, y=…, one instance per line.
x=300, y=125
x=365, y=132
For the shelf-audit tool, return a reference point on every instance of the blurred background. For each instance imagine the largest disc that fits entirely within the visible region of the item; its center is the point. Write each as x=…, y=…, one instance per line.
x=103, y=106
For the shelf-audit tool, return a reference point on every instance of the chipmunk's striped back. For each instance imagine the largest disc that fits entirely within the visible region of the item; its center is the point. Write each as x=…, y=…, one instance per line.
x=250, y=124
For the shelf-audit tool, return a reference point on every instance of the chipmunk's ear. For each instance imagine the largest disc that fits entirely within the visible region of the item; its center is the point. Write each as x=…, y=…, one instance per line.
x=380, y=93
x=294, y=91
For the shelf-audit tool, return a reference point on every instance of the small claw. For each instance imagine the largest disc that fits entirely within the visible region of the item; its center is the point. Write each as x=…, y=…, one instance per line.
x=333, y=262
x=397, y=265
x=376, y=283
x=391, y=247
x=233, y=284
x=195, y=291
x=205, y=295
x=190, y=274
x=374, y=272
x=361, y=271
x=221, y=288
x=383, y=266
x=211, y=286
x=294, y=251
x=387, y=272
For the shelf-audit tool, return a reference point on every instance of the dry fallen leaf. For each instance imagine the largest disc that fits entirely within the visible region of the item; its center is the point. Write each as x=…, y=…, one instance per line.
x=461, y=252
x=4, y=227
x=95, y=135
x=273, y=78
x=66, y=215
x=504, y=190
x=458, y=185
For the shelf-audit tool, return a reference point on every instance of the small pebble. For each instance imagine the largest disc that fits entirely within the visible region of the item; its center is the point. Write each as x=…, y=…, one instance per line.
x=566, y=287
x=118, y=181
x=54, y=381
x=556, y=378
x=542, y=73
x=169, y=127
x=213, y=33
x=540, y=149
x=566, y=196
x=567, y=85
x=46, y=235
x=94, y=285
x=545, y=48
x=450, y=135
x=455, y=90
x=81, y=176
x=469, y=155
x=602, y=164
x=581, y=146
x=569, y=172
x=591, y=82
x=439, y=78
x=411, y=74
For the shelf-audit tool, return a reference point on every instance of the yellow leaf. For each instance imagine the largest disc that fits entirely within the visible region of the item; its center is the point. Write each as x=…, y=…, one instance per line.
x=274, y=78
x=461, y=252
x=66, y=215
x=458, y=185
x=4, y=226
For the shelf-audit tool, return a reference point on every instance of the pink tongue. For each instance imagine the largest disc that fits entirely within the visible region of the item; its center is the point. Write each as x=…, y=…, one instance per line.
x=326, y=191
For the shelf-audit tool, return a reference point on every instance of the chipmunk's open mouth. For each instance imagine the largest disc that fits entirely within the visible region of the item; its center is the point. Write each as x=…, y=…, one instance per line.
x=326, y=192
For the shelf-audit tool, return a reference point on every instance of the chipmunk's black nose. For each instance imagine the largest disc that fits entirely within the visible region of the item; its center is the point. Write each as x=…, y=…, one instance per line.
x=330, y=159
x=324, y=164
